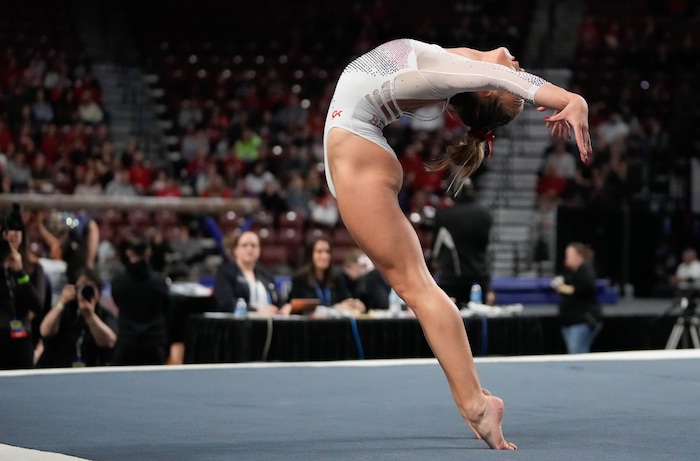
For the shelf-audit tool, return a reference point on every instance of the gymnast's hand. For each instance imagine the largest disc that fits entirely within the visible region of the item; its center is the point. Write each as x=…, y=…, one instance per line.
x=573, y=115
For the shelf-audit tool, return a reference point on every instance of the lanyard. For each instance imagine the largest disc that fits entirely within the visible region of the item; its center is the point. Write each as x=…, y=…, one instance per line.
x=11, y=293
x=324, y=295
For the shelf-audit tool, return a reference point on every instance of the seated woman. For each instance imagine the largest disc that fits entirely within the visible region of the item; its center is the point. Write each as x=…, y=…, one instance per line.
x=242, y=277
x=316, y=278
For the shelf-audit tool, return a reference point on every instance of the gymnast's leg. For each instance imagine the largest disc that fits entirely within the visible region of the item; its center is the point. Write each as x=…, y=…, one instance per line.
x=367, y=180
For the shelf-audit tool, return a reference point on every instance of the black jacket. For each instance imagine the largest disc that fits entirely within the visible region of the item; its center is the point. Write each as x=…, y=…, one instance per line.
x=301, y=288
x=25, y=299
x=230, y=284
x=143, y=299
x=374, y=290
x=73, y=334
x=582, y=306
x=469, y=222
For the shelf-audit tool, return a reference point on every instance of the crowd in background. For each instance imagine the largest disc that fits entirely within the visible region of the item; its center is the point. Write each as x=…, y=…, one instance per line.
x=249, y=116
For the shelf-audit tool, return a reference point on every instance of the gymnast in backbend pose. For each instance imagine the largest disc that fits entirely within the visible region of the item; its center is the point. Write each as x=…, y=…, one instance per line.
x=485, y=90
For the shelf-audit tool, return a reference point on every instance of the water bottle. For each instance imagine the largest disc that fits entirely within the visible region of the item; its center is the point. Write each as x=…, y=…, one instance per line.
x=475, y=295
x=241, y=310
x=395, y=303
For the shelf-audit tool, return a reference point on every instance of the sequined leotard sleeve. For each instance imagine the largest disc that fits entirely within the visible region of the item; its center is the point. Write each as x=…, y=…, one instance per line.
x=367, y=93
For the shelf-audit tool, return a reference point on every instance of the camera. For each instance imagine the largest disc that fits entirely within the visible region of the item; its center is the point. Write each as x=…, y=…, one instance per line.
x=12, y=219
x=5, y=250
x=87, y=292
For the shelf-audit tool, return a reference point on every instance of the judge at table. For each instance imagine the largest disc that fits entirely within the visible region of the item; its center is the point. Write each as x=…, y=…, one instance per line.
x=242, y=277
x=316, y=278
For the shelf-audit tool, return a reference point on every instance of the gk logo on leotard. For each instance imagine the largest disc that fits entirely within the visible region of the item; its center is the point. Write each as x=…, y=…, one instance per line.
x=336, y=113
x=376, y=121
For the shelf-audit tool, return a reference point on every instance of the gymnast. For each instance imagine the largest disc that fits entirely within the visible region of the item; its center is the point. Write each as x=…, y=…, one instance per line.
x=485, y=90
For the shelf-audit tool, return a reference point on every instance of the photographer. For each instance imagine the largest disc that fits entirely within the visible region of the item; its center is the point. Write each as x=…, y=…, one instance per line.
x=19, y=303
x=78, y=331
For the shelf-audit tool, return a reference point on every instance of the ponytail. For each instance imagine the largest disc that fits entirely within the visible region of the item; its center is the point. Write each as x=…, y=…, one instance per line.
x=484, y=114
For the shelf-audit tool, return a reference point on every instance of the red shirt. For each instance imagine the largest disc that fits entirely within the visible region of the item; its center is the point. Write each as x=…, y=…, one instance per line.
x=169, y=191
x=140, y=176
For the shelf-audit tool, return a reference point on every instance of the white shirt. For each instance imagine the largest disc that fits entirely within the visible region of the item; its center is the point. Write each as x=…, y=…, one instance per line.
x=690, y=272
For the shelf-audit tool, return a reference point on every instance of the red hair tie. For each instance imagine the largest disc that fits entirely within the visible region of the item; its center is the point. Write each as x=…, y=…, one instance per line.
x=483, y=135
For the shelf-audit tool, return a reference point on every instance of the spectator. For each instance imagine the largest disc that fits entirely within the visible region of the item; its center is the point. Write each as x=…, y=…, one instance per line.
x=461, y=240
x=199, y=164
x=14, y=231
x=50, y=140
x=192, y=141
x=87, y=184
x=42, y=174
x=205, y=178
x=687, y=275
x=166, y=186
x=217, y=188
x=272, y=200
x=297, y=196
x=580, y=314
x=190, y=114
x=19, y=172
x=143, y=299
x=374, y=290
x=550, y=188
x=89, y=111
x=355, y=266
x=257, y=178
x=160, y=250
x=121, y=185
x=140, y=172
x=19, y=298
x=41, y=108
x=324, y=209
x=558, y=160
x=247, y=148
x=78, y=331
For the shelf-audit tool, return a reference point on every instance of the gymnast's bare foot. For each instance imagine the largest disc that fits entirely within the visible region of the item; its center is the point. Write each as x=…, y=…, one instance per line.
x=478, y=437
x=488, y=425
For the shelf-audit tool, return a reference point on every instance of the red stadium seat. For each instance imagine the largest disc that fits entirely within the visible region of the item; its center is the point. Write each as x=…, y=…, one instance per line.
x=274, y=255
x=291, y=219
x=268, y=236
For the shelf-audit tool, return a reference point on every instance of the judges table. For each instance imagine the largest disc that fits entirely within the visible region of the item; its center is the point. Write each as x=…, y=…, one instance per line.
x=219, y=337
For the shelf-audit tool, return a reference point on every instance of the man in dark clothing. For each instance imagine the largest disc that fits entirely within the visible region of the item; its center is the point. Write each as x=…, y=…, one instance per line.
x=143, y=299
x=461, y=246
x=374, y=290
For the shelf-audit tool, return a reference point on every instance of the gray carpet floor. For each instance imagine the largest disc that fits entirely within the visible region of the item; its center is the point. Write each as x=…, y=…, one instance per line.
x=607, y=406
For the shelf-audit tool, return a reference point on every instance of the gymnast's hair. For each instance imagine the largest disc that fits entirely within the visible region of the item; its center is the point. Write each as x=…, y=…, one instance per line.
x=483, y=114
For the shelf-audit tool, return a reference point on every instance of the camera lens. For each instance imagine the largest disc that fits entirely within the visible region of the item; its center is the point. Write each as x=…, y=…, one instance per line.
x=87, y=292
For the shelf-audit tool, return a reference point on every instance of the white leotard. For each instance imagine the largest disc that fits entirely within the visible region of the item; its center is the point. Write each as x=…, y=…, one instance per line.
x=366, y=95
